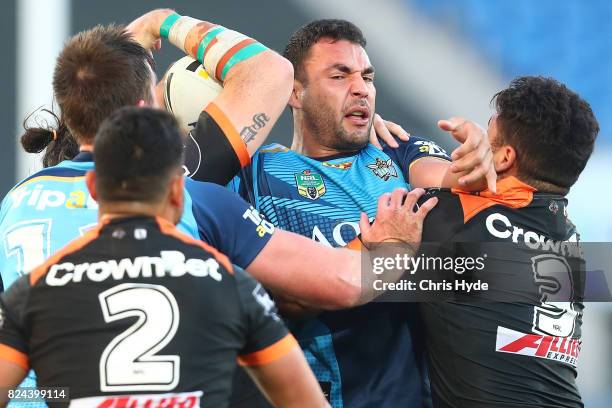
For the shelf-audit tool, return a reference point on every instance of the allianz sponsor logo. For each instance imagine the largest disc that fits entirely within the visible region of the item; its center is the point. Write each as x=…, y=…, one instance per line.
x=41, y=199
x=500, y=226
x=169, y=264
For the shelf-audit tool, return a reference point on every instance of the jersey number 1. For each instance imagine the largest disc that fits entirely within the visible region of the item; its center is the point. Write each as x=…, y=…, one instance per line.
x=129, y=362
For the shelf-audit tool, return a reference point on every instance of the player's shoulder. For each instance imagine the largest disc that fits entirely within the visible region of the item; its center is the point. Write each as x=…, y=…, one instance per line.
x=63, y=172
x=195, y=246
x=446, y=219
x=210, y=196
x=417, y=145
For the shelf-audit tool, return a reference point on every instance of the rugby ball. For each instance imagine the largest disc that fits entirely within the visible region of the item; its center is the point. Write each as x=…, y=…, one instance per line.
x=188, y=89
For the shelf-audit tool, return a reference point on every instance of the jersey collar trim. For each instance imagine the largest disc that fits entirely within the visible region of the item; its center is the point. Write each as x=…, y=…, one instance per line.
x=511, y=192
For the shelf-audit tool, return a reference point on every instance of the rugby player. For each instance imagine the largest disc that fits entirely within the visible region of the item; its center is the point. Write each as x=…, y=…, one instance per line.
x=196, y=313
x=103, y=69
x=324, y=184
x=514, y=345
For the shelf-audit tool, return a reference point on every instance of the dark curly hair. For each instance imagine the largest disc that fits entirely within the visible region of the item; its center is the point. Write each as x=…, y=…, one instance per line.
x=55, y=139
x=551, y=128
x=305, y=37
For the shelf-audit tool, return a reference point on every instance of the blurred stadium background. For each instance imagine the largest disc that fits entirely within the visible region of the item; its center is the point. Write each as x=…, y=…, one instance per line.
x=434, y=59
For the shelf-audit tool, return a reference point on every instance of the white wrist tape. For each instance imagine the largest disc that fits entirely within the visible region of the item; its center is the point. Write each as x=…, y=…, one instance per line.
x=226, y=40
x=180, y=29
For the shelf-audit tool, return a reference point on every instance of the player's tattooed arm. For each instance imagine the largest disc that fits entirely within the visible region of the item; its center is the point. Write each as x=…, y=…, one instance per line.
x=249, y=133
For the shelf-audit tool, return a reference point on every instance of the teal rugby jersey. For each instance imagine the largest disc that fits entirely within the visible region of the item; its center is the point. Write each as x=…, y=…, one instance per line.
x=49, y=209
x=367, y=355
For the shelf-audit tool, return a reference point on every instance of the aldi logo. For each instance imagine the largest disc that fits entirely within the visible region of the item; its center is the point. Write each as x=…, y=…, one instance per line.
x=562, y=349
x=310, y=185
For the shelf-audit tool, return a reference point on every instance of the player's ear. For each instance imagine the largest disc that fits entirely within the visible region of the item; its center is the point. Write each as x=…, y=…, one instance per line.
x=295, y=101
x=90, y=180
x=504, y=159
x=176, y=197
x=177, y=187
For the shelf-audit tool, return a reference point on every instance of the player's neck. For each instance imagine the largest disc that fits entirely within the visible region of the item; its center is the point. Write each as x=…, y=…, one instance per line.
x=304, y=143
x=120, y=209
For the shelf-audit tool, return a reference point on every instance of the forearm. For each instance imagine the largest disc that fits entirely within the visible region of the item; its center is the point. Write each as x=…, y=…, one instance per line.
x=324, y=278
x=451, y=180
x=257, y=82
x=315, y=275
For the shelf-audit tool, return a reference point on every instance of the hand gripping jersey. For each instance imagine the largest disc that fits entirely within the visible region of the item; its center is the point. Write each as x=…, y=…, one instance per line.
x=159, y=313
x=363, y=356
x=515, y=344
x=49, y=209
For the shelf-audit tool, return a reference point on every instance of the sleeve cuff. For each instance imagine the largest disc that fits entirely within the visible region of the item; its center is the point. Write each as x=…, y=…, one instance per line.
x=269, y=354
x=8, y=353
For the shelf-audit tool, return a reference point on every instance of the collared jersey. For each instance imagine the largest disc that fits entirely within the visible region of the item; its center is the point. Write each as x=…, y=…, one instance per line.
x=516, y=343
x=364, y=356
x=163, y=318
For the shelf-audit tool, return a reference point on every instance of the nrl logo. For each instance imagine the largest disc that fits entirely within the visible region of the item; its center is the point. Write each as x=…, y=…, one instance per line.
x=383, y=169
x=310, y=185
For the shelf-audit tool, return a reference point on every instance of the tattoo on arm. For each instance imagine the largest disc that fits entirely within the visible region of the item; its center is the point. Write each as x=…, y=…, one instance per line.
x=248, y=133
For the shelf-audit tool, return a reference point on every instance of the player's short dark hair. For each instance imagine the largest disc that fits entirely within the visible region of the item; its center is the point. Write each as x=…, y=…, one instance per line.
x=305, y=37
x=551, y=128
x=136, y=153
x=99, y=71
x=54, y=138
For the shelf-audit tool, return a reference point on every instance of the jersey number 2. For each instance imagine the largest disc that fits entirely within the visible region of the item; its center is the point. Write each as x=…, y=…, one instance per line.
x=129, y=362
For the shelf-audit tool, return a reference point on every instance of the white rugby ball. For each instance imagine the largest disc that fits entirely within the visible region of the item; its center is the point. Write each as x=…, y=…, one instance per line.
x=188, y=89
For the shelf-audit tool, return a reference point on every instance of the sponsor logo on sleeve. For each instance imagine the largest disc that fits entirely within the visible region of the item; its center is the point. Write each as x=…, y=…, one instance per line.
x=430, y=148
x=561, y=349
x=263, y=227
x=265, y=301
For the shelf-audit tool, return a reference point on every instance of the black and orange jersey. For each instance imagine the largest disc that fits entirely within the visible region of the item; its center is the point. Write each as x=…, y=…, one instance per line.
x=137, y=311
x=513, y=342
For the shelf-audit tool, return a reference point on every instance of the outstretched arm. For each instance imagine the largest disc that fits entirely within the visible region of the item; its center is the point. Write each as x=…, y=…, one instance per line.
x=257, y=82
